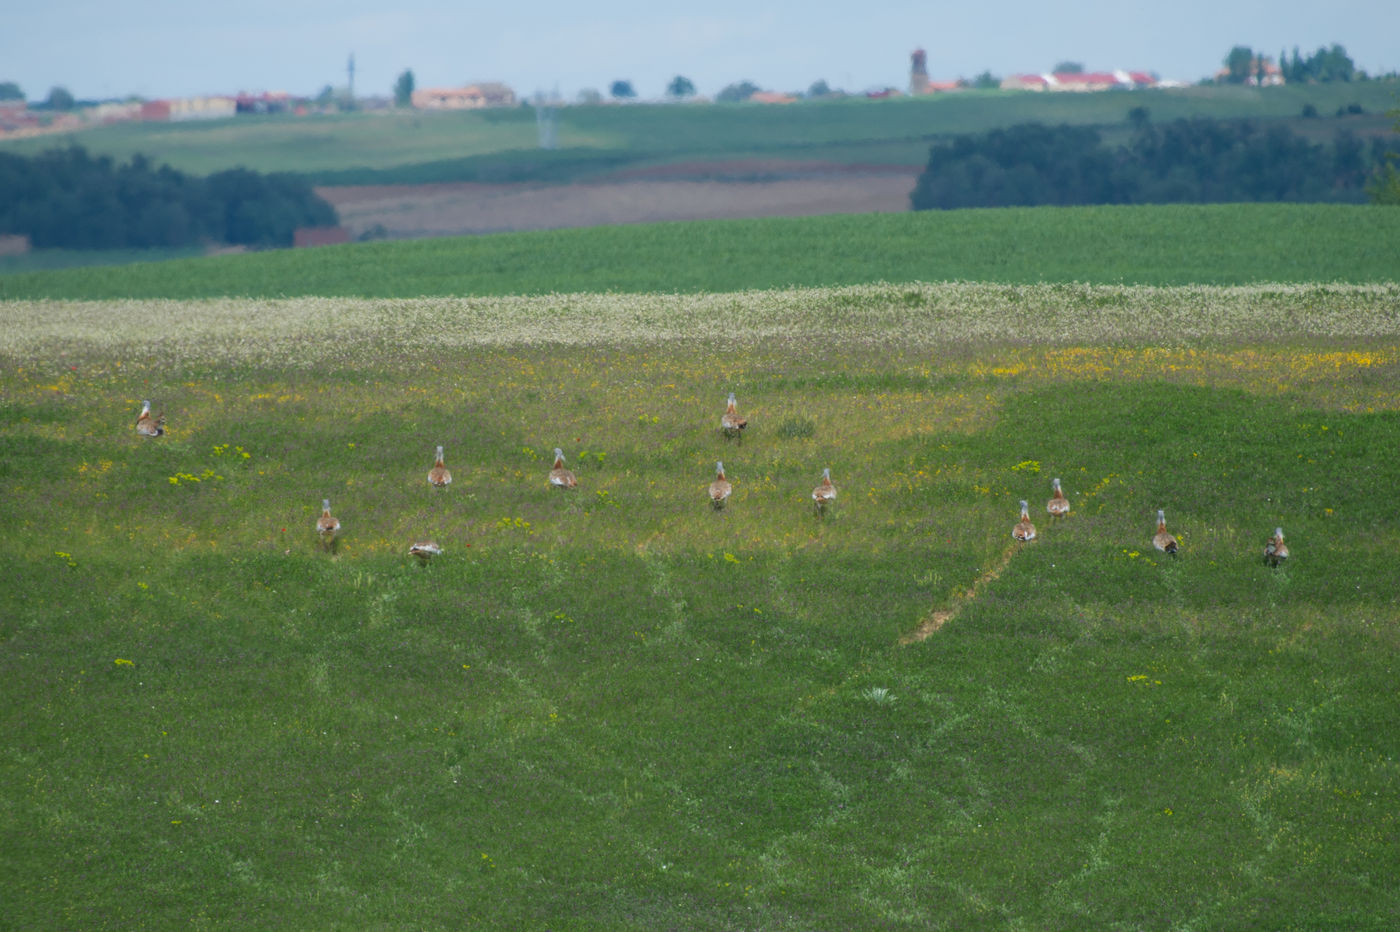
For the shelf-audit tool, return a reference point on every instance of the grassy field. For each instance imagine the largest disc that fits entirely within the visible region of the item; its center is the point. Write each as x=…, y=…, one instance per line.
x=500, y=145
x=618, y=709
x=1222, y=244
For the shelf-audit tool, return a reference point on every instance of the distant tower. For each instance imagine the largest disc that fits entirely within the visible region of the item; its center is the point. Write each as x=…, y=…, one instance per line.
x=350, y=70
x=918, y=72
x=546, y=120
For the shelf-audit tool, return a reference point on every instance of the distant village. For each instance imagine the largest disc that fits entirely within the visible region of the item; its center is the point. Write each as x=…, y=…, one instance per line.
x=18, y=119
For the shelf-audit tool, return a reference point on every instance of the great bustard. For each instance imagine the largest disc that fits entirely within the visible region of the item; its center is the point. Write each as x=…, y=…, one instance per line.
x=148, y=426
x=721, y=488
x=560, y=476
x=825, y=492
x=327, y=526
x=1024, y=530
x=1058, y=505
x=1162, y=540
x=1276, y=551
x=731, y=423
x=439, y=475
x=424, y=550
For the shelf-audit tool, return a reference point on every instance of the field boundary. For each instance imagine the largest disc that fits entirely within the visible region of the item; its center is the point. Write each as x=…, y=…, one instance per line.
x=309, y=331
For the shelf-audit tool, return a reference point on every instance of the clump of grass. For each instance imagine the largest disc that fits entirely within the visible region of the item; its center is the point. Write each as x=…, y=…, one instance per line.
x=797, y=428
x=879, y=695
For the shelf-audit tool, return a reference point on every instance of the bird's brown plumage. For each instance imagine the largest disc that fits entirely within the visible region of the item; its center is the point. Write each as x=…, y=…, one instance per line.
x=1276, y=551
x=327, y=526
x=721, y=488
x=424, y=550
x=439, y=475
x=731, y=422
x=148, y=426
x=1058, y=505
x=560, y=476
x=1163, y=540
x=1024, y=530
x=825, y=492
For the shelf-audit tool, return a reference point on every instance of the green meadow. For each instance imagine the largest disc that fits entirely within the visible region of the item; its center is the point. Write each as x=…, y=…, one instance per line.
x=1219, y=244
x=617, y=708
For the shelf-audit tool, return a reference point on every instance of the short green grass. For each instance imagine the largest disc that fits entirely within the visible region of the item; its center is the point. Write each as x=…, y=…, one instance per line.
x=619, y=709
x=1224, y=244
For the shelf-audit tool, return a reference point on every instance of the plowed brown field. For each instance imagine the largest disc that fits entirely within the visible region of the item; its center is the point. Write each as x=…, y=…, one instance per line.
x=690, y=192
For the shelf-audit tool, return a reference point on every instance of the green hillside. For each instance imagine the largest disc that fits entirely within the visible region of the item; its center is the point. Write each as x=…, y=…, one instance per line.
x=1156, y=245
x=501, y=144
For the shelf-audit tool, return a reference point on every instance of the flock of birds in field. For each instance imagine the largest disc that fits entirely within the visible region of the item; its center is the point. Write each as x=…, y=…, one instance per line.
x=732, y=425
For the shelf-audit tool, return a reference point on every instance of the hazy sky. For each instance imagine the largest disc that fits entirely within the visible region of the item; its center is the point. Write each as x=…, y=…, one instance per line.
x=172, y=48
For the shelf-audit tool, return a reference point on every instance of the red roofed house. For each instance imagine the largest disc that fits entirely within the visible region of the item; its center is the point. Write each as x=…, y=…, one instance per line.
x=471, y=97
x=1025, y=82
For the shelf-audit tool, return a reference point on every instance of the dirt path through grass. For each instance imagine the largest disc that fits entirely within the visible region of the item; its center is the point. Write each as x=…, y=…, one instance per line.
x=939, y=617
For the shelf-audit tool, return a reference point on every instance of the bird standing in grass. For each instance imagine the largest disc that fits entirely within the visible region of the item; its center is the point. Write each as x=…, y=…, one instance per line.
x=148, y=426
x=561, y=477
x=327, y=526
x=1162, y=540
x=825, y=492
x=1276, y=551
x=1024, y=530
x=438, y=476
x=720, y=489
x=731, y=424
x=1058, y=505
x=424, y=550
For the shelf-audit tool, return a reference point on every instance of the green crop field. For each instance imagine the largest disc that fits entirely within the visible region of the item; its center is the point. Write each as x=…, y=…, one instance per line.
x=500, y=145
x=1224, y=244
x=617, y=708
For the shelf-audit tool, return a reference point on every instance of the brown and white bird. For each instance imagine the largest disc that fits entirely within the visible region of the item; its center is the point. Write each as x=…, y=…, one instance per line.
x=1276, y=551
x=1058, y=505
x=327, y=526
x=561, y=477
x=825, y=492
x=148, y=426
x=439, y=475
x=1162, y=540
x=425, y=550
x=1024, y=530
x=730, y=422
x=720, y=489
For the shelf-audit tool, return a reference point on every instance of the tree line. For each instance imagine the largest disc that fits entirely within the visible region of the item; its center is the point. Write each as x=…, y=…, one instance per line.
x=68, y=199
x=1194, y=160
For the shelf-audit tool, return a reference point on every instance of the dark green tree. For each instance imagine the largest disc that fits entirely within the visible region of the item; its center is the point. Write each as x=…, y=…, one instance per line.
x=9, y=90
x=737, y=92
x=65, y=198
x=986, y=81
x=1332, y=64
x=819, y=88
x=403, y=89
x=1239, y=65
x=622, y=90
x=1384, y=186
x=60, y=99
x=1069, y=67
x=680, y=87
